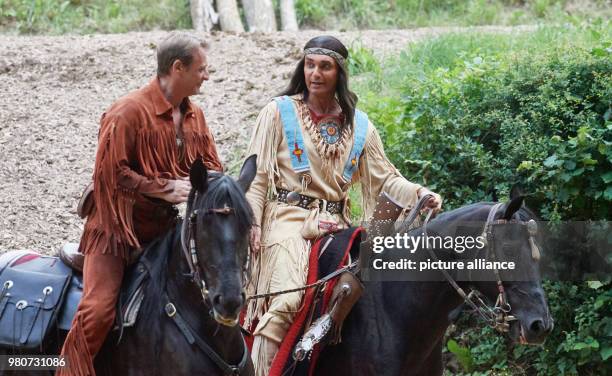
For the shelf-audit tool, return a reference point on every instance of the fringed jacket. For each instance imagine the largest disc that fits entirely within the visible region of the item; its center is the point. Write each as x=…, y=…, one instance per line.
x=139, y=153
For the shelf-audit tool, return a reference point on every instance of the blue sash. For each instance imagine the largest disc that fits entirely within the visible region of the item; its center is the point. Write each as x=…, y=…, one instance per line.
x=293, y=134
x=295, y=140
x=361, y=131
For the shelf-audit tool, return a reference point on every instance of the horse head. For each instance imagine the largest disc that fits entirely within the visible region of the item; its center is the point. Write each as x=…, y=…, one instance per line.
x=511, y=235
x=215, y=237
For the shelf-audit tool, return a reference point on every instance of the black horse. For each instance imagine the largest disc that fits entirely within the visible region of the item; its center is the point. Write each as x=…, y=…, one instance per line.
x=187, y=323
x=397, y=327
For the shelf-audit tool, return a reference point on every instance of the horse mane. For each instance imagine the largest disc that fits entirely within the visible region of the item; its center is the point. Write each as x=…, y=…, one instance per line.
x=524, y=212
x=478, y=211
x=156, y=256
x=223, y=190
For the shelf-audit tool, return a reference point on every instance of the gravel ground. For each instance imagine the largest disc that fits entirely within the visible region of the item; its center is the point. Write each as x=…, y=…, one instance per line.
x=54, y=89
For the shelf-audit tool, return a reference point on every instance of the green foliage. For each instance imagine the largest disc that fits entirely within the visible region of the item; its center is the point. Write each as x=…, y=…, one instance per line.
x=350, y=14
x=470, y=115
x=479, y=120
x=362, y=60
x=581, y=343
x=310, y=11
x=463, y=354
x=88, y=16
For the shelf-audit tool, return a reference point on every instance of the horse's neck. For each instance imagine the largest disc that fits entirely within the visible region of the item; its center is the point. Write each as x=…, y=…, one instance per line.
x=418, y=311
x=403, y=320
x=408, y=302
x=435, y=297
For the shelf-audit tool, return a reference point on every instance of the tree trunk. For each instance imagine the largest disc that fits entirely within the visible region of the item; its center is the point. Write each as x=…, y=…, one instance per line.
x=288, y=19
x=229, y=18
x=260, y=15
x=203, y=15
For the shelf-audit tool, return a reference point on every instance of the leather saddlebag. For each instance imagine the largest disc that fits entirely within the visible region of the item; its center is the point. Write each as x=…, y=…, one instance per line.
x=29, y=305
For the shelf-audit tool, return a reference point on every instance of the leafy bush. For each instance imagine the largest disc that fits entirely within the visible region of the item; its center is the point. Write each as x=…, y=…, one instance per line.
x=362, y=60
x=470, y=115
x=88, y=16
x=479, y=123
x=580, y=344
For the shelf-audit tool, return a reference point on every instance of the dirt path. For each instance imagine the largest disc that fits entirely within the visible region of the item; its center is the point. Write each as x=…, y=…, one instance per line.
x=54, y=89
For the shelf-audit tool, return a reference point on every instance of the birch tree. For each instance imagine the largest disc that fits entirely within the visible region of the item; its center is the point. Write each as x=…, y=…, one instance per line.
x=287, y=12
x=229, y=18
x=203, y=15
x=259, y=15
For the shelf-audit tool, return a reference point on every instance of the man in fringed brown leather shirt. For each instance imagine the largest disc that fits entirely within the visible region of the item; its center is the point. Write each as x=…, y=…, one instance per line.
x=147, y=142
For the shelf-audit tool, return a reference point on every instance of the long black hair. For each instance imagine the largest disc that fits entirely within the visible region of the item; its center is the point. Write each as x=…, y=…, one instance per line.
x=346, y=98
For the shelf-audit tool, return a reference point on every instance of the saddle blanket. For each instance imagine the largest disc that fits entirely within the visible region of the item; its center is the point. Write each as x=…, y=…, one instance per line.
x=326, y=256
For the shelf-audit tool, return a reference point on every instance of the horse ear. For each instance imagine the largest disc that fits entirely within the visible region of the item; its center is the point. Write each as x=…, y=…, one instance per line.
x=513, y=206
x=198, y=176
x=247, y=172
x=515, y=192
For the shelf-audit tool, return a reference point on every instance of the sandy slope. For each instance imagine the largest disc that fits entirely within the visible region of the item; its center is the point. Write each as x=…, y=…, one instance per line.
x=54, y=89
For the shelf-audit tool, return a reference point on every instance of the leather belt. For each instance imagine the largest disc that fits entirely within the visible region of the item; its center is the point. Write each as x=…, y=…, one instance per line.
x=332, y=207
x=163, y=212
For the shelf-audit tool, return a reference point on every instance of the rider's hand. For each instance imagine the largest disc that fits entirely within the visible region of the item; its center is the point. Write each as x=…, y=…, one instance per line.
x=255, y=238
x=178, y=193
x=434, y=202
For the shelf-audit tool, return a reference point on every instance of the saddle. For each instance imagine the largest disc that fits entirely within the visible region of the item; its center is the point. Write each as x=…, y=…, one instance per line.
x=320, y=320
x=38, y=293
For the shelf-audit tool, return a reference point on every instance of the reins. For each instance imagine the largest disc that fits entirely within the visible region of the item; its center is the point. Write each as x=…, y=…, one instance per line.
x=318, y=283
x=498, y=316
x=353, y=267
x=190, y=252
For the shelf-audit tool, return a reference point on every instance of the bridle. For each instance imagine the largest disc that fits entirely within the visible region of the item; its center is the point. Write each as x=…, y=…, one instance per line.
x=190, y=252
x=499, y=316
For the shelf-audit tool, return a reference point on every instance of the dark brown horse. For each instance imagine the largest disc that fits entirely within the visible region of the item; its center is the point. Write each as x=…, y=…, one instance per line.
x=397, y=327
x=187, y=323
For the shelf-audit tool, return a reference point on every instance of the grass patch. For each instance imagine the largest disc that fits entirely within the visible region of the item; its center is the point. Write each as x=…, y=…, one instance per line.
x=92, y=16
x=447, y=52
x=379, y=14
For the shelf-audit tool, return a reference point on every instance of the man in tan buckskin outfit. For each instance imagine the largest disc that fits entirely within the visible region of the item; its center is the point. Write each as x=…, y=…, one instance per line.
x=312, y=144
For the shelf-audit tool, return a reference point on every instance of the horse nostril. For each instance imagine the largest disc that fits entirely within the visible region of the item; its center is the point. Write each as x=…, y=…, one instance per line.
x=218, y=300
x=537, y=327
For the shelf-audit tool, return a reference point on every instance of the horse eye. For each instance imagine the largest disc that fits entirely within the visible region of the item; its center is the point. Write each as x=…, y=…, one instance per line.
x=518, y=290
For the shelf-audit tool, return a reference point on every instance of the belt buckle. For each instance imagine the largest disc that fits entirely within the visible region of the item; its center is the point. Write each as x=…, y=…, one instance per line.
x=293, y=198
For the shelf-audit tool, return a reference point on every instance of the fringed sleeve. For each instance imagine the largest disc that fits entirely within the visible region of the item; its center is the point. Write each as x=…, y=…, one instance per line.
x=110, y=227
x=264, y=142
x=377, y=174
